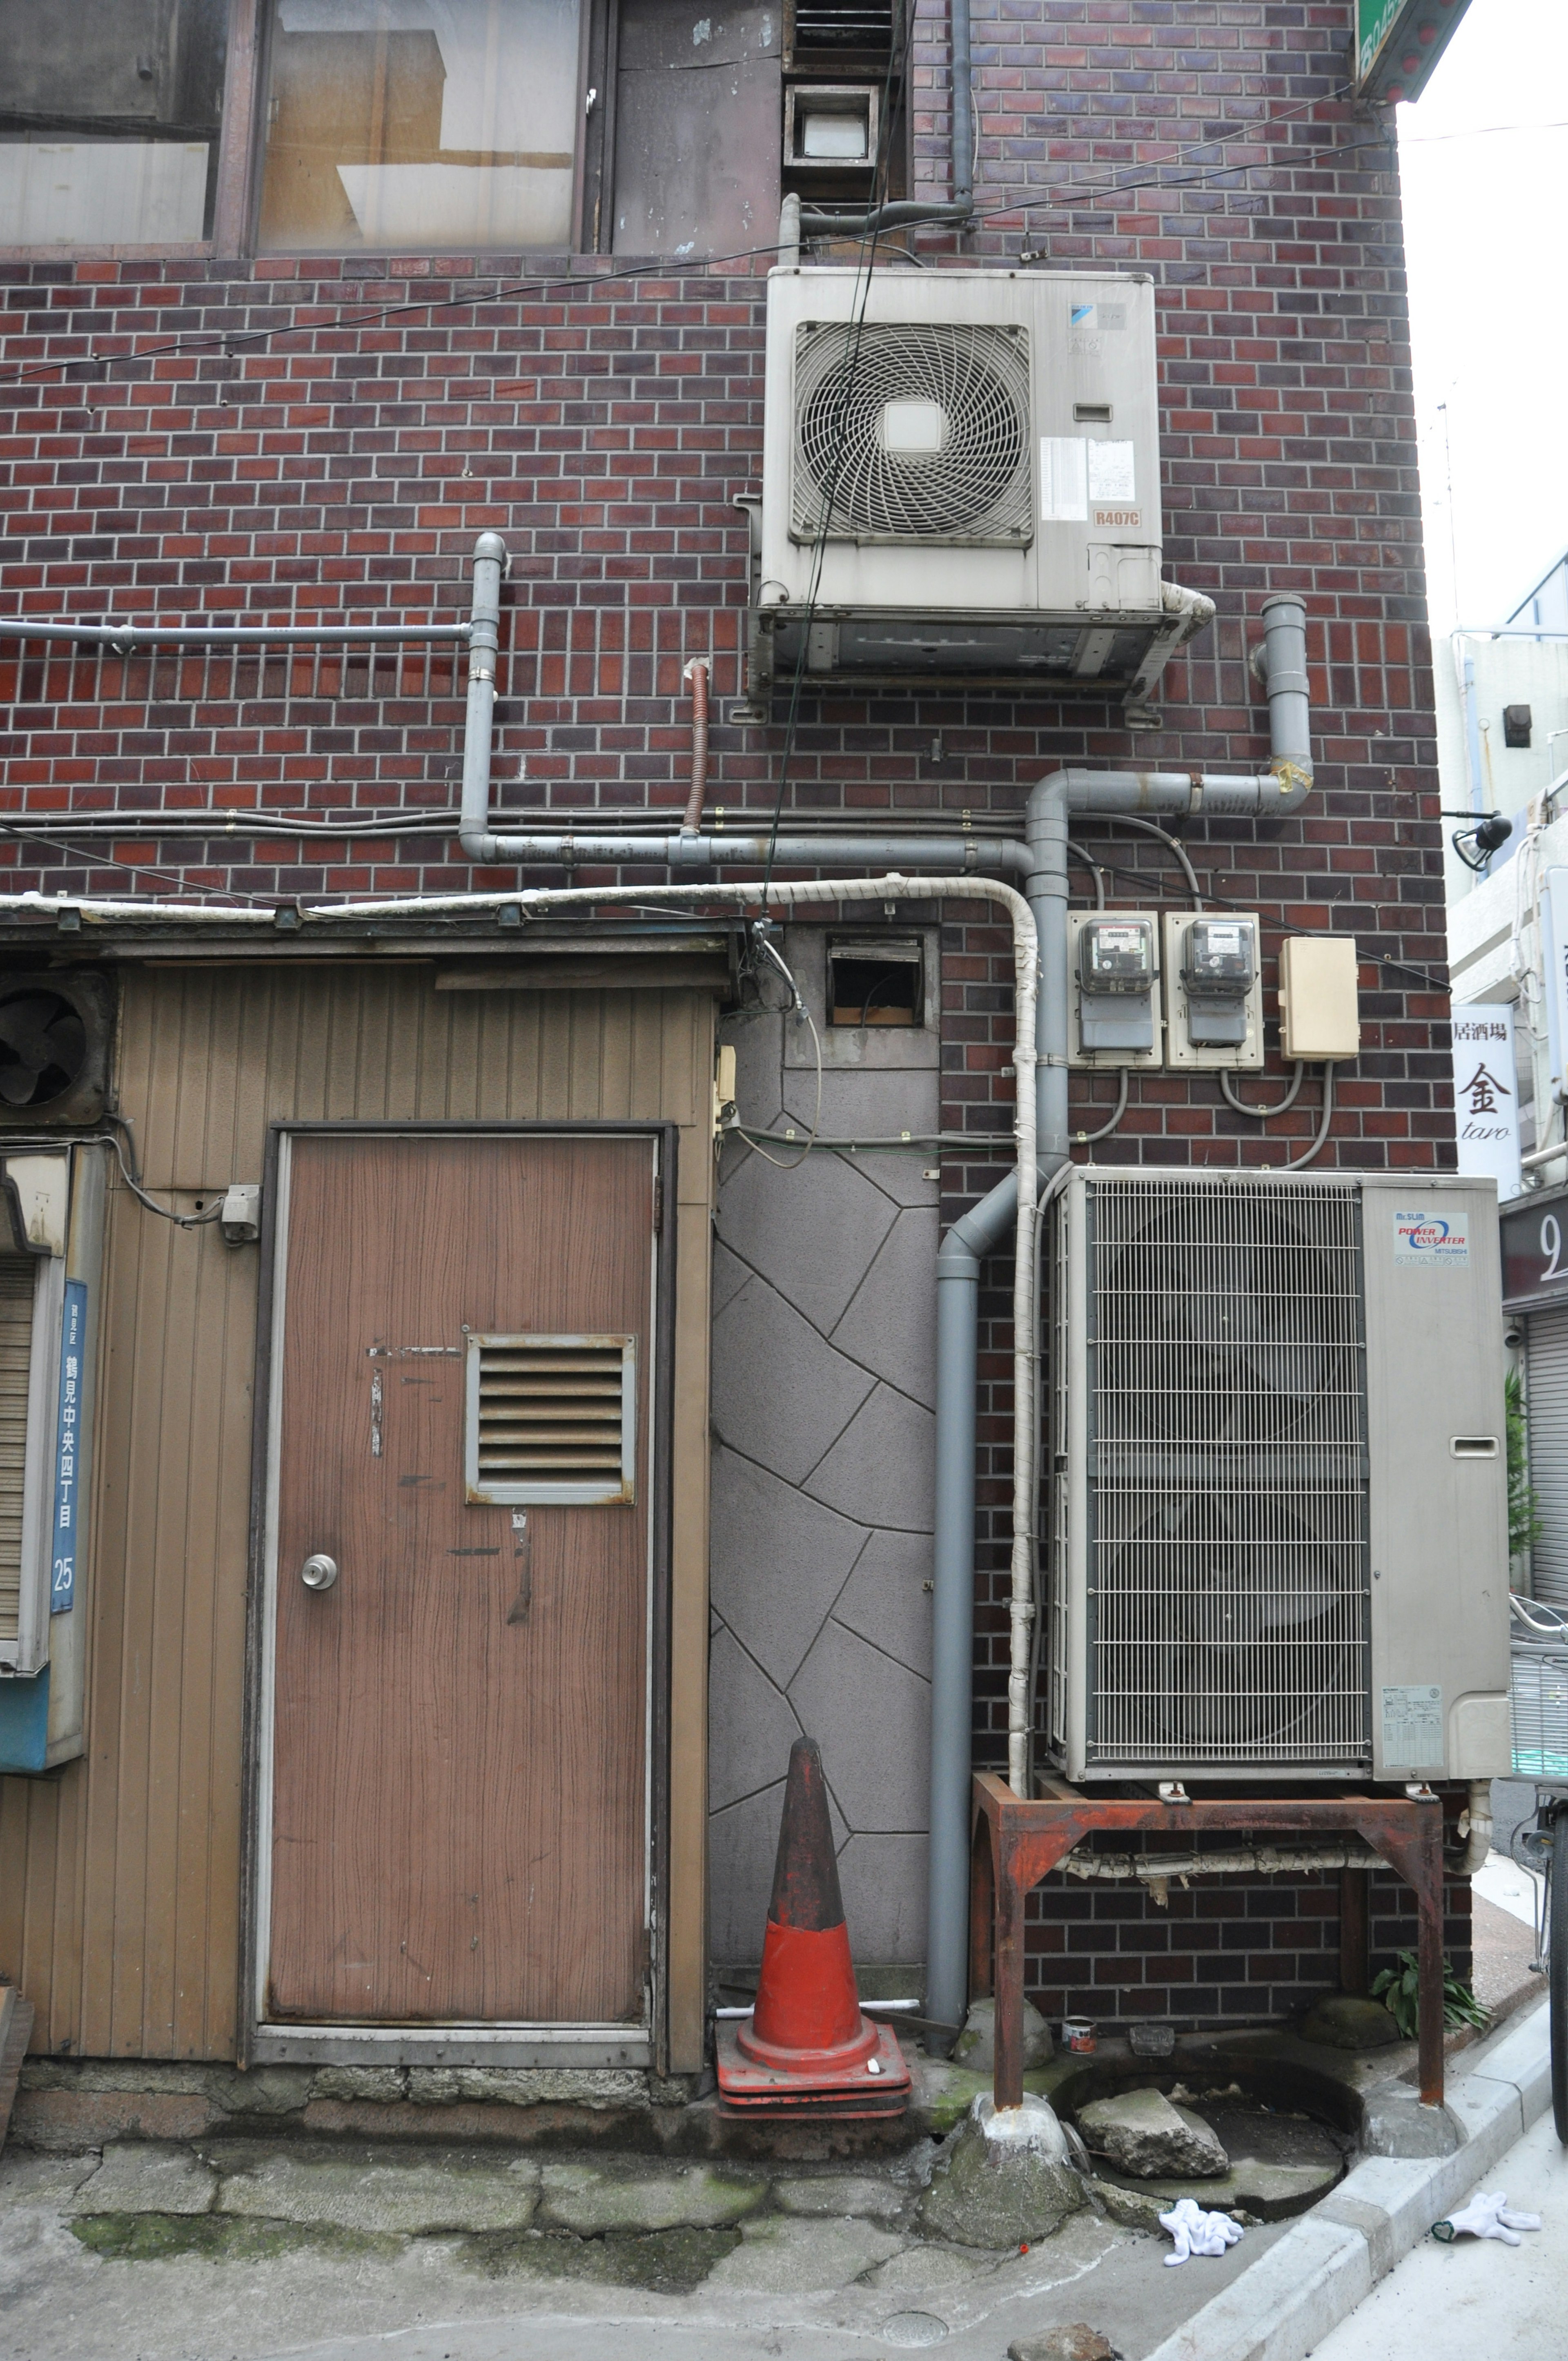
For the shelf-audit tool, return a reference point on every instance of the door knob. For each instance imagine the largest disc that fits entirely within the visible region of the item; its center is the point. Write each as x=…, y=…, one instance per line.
x=319, y=1573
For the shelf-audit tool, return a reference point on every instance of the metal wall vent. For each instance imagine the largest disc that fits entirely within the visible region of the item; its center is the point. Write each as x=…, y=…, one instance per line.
x=912, y=432
x=551, y=1418
x=55, y=1033
x=1227, y=1574
x=18, y=1275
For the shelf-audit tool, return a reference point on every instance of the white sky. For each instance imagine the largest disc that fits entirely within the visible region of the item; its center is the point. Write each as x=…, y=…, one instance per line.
x=1486, y=231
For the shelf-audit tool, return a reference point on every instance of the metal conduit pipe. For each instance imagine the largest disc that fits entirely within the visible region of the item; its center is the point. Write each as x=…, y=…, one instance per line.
x=696, y=674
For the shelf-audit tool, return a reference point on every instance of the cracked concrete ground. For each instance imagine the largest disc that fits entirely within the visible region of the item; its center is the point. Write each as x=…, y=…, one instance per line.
x=246, y=2250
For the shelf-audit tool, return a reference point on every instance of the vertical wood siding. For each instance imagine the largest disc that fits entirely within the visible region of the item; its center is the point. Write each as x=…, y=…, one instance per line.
x=120, y=1877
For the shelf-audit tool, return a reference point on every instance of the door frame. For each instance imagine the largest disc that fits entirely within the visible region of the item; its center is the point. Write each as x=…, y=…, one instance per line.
x=524, y=2046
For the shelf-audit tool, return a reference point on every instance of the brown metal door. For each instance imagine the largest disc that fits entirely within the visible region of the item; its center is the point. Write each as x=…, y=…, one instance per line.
x=458, y=1790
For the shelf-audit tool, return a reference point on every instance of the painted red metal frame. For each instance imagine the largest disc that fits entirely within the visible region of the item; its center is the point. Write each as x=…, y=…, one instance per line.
x=1014, y=1844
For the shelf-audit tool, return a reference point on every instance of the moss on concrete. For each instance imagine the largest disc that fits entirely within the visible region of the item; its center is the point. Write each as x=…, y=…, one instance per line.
x=217, y=2238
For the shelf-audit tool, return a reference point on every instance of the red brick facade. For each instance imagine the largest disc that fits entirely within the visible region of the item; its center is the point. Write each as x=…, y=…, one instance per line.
x=332, y=464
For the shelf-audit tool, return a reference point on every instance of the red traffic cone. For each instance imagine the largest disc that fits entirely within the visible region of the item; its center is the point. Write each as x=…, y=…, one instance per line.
x=806, y=2049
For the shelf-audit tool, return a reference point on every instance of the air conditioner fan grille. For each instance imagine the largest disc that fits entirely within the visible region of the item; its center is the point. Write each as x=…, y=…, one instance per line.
x=1227, y=1569
x=912, y=432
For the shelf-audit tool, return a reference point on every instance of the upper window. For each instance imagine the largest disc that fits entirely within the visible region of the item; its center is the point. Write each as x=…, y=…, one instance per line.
x=409, y=124
x=109, y=116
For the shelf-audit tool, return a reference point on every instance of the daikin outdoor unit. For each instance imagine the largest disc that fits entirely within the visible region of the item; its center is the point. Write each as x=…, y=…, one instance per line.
x=1276, y=1477
x=961, y=481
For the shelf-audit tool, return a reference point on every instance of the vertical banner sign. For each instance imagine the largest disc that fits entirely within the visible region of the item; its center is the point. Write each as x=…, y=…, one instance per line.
x=62, y=1587
x=1485, y=1095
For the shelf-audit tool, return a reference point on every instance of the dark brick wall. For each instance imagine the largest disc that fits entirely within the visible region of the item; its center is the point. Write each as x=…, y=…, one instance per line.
x=341, y=464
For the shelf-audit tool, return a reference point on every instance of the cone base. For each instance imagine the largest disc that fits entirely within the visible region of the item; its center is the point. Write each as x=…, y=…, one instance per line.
x=826, y=2088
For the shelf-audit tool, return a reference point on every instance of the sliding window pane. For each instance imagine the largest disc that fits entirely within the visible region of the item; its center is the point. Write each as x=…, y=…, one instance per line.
x=109, y=114
x=409, y=124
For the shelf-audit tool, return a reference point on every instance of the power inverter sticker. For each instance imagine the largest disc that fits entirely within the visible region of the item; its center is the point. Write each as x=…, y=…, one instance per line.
x=1431, y=1238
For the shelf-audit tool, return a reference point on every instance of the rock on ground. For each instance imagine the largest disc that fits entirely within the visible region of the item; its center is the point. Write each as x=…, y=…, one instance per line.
x=1349, y=2021
x=1079, y=2342
x=1004, y=2180
x=976, y=2045
x=1142, y=2133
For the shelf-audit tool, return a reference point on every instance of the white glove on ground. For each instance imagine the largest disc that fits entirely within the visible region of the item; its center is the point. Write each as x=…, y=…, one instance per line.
x=1486, y=2217
x=1197, y=2233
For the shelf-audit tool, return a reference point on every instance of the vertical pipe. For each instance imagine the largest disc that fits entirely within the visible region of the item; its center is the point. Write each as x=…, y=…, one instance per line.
x=964, y=102
x=696, y=674
x=1473, y=737
x=489, y=560
x=1285, y=674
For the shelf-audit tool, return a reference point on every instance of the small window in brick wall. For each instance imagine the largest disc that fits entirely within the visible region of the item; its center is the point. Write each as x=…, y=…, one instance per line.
x=875, y=981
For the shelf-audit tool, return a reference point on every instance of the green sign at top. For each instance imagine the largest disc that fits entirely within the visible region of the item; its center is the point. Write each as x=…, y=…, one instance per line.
x=1374, y=20
x=1397, y=43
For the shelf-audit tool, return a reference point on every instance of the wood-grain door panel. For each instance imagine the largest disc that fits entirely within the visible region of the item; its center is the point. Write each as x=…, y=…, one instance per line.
x=459, y=1734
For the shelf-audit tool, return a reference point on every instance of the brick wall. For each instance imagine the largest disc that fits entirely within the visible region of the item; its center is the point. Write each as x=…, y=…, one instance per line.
x=605, y=428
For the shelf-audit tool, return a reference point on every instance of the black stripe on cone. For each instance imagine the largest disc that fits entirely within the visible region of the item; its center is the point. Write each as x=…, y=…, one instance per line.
x=806, y=1875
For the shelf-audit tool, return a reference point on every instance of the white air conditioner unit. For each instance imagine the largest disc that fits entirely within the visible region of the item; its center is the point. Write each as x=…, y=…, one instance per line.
x=1277, y=1476
x=961, y=481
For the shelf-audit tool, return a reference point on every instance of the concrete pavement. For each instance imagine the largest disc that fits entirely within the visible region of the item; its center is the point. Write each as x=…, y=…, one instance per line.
x=1477, y=2298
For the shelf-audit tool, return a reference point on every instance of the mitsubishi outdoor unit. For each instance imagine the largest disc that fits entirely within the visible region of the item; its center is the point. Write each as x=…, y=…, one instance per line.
x=1277, y=1479
x=961, y=481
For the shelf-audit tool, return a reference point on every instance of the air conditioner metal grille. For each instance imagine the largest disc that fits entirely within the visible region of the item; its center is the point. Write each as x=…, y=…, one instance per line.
x=551, y=1418
x=1227, y=1572
x=912, y=432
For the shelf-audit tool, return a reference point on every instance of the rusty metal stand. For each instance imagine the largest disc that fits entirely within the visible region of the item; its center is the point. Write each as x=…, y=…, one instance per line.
x=1015, y=1844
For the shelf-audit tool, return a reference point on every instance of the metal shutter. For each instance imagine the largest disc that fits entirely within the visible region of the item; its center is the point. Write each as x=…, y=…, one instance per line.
x=17, y=1275
x=1547, y=1379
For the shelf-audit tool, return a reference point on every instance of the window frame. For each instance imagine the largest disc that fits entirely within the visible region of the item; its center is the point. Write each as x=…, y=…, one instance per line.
x=237, y=143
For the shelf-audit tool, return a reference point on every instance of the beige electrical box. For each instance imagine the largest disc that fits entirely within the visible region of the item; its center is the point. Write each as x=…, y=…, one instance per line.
x=1320, y=1011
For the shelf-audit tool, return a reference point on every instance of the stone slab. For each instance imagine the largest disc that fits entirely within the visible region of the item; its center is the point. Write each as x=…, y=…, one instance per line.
x=147, y=2177
x=778, y=2256
x=590, y=2198
x=406, y=2196
x=843, y=2193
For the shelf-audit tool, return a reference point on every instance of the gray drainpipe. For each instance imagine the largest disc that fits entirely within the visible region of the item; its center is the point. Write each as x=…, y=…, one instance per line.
x=1282, y=788
x=1041, y=860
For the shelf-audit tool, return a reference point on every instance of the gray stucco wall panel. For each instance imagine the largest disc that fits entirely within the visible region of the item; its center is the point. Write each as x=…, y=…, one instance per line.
x=781, y=1395
x=881, y=1467
x=870, y=1715
x=888, y=1326
x=750, y=1727
x=824, y=1356
x=887, y=1598
x=780, y=1559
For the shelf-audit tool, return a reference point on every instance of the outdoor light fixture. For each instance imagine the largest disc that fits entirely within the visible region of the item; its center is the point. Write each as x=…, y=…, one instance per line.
x=1485, y=837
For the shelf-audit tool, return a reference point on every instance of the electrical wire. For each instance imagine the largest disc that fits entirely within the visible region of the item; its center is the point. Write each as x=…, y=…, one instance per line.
x=213, y=1213
x=793, y=1163
x=1261, y=1115
x=1172, y=843
x=1087, y=1138
x=1320, y=1135
x=1016, y=200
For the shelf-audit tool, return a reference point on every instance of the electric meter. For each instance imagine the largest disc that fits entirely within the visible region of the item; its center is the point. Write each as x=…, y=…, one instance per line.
x=1218, y=972
x=1117, y=973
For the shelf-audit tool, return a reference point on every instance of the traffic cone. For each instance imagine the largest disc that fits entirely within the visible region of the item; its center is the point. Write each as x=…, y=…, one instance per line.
x=806, y=2049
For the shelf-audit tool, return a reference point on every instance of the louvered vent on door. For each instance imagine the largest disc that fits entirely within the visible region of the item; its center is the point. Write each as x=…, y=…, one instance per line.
x=17, y=1275
x=551, y=1418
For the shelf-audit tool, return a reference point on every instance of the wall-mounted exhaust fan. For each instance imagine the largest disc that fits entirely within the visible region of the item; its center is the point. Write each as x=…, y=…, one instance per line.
x=54, y=1047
